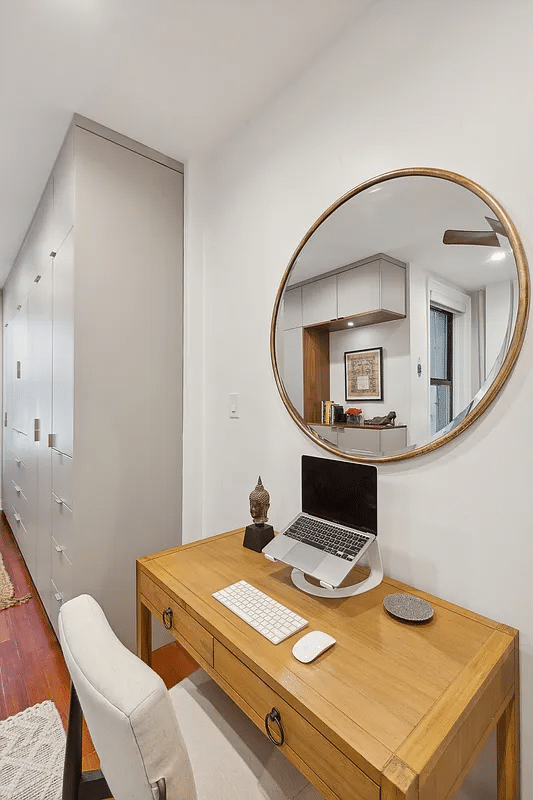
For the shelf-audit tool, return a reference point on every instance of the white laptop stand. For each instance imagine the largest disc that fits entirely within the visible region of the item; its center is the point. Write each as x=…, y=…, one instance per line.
x=373, y=557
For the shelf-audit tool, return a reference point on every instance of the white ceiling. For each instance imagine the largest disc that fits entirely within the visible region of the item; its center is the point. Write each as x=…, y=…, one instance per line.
x=406, y=218
x=177, y=75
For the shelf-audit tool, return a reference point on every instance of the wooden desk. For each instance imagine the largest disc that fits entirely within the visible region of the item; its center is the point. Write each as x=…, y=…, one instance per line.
x=392, y=711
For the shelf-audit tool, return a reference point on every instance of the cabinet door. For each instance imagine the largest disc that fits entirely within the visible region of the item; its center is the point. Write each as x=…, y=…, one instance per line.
x=378, y=285
x=319, y=301
x=328, y=432
x=63, y=193
x=18, y=371
x=292, y=373
x=365, y=440
x=392, y=287
x=40, y=357
x=63, y=347
x=292, y=308
x=393, y=439
x=359, y=290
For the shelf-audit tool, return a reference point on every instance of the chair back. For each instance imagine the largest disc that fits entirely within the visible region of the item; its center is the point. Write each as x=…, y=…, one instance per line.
x=127, y=708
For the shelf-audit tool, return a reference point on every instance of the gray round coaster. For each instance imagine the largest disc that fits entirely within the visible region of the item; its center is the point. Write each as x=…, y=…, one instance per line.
x=408, y=608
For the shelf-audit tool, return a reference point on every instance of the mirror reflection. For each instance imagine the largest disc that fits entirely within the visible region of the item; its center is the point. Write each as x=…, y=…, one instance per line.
x=397, y=315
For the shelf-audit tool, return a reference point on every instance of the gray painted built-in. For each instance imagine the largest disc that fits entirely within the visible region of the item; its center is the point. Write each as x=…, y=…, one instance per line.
x=93, y=360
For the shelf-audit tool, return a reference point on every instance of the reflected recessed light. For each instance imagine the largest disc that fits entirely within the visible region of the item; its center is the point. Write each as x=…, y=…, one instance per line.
x=497, y=257
x=351, y=324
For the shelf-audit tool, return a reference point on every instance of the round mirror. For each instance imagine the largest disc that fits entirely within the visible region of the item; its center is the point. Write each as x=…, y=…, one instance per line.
x=400, y=315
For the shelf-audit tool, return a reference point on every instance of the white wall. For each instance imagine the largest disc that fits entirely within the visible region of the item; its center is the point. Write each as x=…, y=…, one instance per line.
x=497, y=304
x=446, y=84
x=393, y=337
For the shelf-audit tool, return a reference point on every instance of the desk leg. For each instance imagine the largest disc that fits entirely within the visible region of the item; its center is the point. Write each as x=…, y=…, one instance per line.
x=509, y=752
x=144, y=632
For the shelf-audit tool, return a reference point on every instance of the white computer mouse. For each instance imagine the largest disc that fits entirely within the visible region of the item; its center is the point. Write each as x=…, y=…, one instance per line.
x=312, y=645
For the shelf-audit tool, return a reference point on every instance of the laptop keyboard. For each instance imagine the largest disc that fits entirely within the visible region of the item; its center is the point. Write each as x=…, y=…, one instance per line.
x=329, y=538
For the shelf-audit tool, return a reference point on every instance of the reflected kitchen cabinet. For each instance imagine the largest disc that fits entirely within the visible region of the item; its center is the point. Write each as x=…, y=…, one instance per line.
x=319, y=300
x=364, y=439
x=378, y=285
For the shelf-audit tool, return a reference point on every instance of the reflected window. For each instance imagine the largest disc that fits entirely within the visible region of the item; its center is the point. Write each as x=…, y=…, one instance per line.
x=441, y=368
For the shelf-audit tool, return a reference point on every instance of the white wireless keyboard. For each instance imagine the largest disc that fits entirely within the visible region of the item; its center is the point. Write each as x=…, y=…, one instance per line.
x=268, y=617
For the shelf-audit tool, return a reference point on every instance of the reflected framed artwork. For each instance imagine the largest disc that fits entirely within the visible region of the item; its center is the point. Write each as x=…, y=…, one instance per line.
x=363, y=371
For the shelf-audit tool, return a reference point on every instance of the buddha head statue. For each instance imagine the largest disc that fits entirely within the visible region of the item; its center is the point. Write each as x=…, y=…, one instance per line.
x=259, y=503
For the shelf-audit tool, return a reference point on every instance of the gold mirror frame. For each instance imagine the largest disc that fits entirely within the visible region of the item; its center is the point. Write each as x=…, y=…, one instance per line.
x=514, y=346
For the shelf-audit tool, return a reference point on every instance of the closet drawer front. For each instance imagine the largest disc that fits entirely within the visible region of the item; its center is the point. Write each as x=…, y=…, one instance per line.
x=19, y=470
x=19, y=455
x=57, y=598
x=305, y=741
x=20, y=507
x=61, y=571
x=187, y=631
x=62, y=529
x=62, y=477
x=20, y=500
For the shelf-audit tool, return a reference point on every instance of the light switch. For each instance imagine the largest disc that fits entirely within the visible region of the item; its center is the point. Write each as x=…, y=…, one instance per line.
x=234, y=406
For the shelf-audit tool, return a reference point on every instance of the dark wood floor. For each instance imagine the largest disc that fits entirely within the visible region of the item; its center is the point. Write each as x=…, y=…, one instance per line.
x=32, y=668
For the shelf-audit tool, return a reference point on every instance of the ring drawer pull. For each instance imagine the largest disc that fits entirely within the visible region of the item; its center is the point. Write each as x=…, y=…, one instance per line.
x=167, y=618
x=275, y=716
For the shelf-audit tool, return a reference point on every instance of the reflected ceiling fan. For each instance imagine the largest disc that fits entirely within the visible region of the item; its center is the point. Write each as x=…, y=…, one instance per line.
x=487, y=238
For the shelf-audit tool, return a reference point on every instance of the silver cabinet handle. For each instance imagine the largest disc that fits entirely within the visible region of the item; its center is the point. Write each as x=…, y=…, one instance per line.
x=58, y=596
x=58, y=548
x=18, y=462
x=58, y=500
x=17, y=488
x=17, y=516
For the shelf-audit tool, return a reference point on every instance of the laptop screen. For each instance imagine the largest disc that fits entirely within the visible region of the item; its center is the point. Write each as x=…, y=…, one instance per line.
x=341, y=491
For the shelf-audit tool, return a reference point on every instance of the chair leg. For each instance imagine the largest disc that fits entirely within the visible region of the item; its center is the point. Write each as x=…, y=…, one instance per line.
x=78, y=785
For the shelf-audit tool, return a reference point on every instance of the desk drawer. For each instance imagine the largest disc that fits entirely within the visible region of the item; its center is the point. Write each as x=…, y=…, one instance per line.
x=306, y=742
x=187, y=631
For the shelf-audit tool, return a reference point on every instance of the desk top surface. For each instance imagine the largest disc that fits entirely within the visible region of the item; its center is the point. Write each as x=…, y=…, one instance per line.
x=386, y=688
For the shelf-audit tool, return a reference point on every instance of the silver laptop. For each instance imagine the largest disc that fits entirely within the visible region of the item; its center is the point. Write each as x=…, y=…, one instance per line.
x=338, y=522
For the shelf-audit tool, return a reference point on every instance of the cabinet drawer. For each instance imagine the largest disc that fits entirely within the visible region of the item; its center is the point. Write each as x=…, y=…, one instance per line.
x=62, y=528
x=20, y=444
x=61, y=571
x=187, y=631
x=56, y=601
x=62, y=477
x=20, y=506
x=305, y=741
x=19, y=470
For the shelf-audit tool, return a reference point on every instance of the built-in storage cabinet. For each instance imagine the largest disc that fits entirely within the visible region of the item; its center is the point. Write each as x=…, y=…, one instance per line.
x=378, y=286
x=292, y=367
x=368, y=292
x=365, y=293
x=319, y=301
x=364, y=439
x=93, y=314
x=292, y=308
x=63, y=347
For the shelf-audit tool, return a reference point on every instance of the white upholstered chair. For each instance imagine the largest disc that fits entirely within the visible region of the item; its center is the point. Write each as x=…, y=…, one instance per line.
x=189, y=743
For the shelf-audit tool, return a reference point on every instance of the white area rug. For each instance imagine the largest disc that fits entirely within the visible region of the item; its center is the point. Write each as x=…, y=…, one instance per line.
x=7, y=592
x=32, y=748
